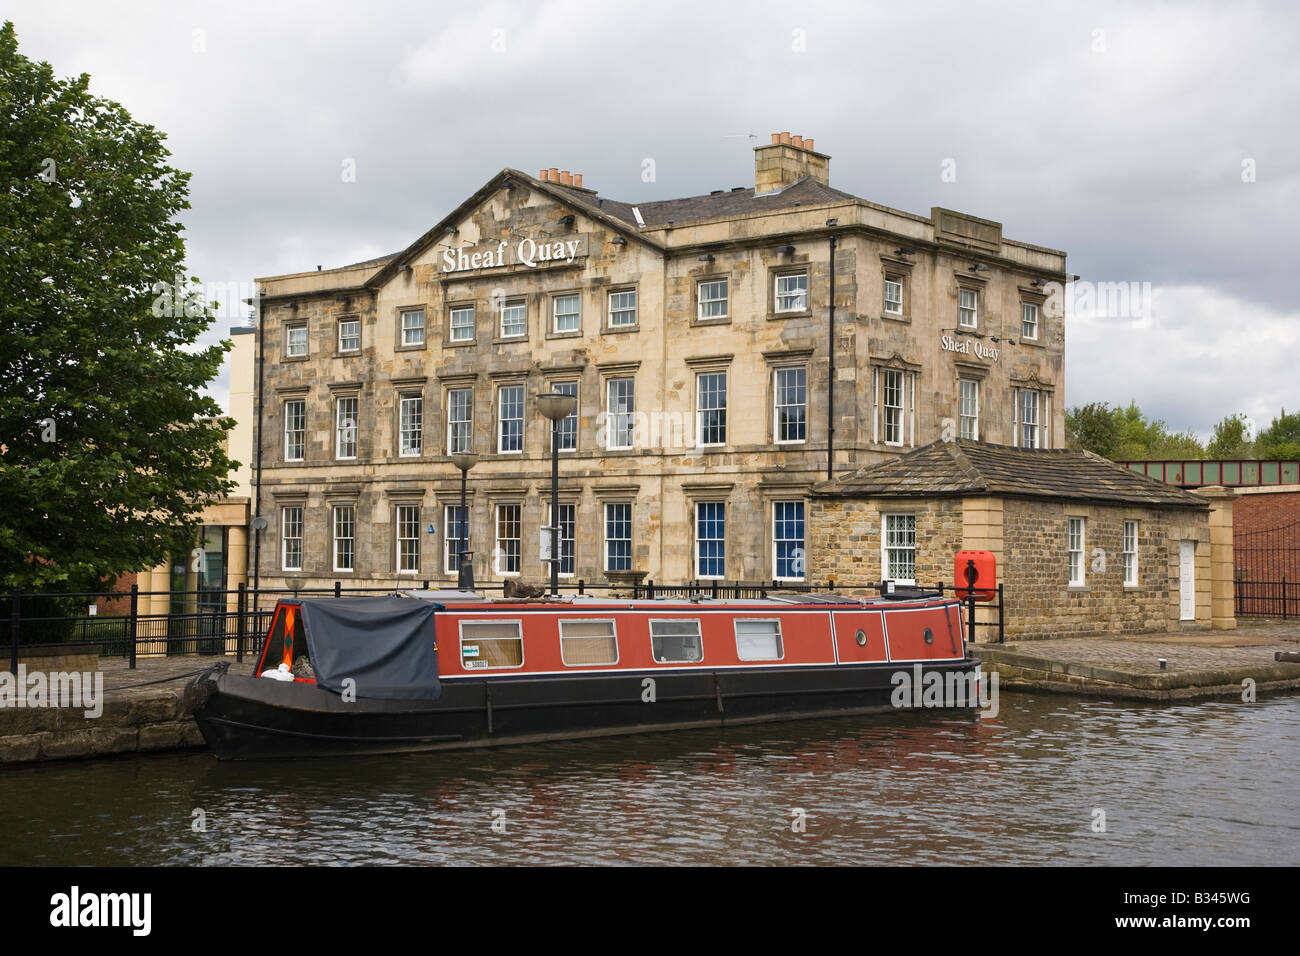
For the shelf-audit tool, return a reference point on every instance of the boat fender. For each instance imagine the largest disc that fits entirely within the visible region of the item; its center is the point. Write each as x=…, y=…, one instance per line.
x=280, y=673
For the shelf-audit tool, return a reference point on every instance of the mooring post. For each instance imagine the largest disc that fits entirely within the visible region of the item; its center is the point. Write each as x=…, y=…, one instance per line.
x=1001, y=614
x=338, y=589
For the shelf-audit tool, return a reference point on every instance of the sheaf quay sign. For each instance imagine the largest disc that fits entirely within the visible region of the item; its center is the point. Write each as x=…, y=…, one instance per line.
x=966, y=346
x=529, y=252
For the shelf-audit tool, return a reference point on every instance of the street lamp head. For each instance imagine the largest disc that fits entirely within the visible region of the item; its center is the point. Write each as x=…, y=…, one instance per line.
x=464, y=462
x=556, y=405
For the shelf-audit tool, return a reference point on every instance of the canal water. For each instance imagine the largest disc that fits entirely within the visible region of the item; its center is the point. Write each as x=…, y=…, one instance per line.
x=1049, y=780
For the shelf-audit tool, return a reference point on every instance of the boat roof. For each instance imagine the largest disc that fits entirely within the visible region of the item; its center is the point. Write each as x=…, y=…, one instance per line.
x=451, y=596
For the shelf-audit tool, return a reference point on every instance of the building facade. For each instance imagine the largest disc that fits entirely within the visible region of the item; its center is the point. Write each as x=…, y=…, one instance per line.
x=726, y=351
x=1083, y=546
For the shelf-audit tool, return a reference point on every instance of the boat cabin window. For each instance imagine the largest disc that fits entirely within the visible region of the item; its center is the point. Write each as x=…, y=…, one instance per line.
x=588, y=642
x=485, y=644
x=676, y=642
x=758, y=640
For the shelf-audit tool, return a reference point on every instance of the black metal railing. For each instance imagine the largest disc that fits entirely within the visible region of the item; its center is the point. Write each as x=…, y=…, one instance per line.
x=1266, y=598
x=219, y=623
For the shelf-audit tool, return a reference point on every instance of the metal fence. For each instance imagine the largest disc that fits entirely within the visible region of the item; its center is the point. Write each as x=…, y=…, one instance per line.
x=220, y=623
x=1266, y=572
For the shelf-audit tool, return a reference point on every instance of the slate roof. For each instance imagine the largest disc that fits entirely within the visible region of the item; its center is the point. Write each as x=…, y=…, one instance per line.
x=963, y=467
x=731, y=202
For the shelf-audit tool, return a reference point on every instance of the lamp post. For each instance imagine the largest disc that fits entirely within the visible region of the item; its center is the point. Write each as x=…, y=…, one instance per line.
x=556, y=406
x=464, y=567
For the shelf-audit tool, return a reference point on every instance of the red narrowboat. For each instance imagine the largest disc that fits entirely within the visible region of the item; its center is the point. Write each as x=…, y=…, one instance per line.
x=428, y=670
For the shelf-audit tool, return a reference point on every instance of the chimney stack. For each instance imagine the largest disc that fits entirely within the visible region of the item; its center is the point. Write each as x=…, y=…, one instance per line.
x=785, y=161
x=577, y=180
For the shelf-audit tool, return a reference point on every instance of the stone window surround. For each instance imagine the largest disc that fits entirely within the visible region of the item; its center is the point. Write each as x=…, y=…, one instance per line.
x=698, y=493
x=447, y=340
x=782, y=359
x=770, y=497
x=971, y=282
x=339, y=351
x=499, y=315
x=606, y=328
x=609, y=371
x=398, y=312
x=911, y=374
x=408, y=388
x=708, y=365
x=1032, y=296
x=697, y=278
x=901, y=271
x=551, y=297
x=1047, y=391
x=775, y=272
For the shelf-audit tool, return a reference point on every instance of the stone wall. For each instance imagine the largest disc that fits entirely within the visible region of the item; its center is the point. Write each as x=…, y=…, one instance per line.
x=845, y=540
x=1040, y=600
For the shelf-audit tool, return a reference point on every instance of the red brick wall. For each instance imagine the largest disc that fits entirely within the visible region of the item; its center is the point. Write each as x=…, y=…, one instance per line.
x=1266, y=536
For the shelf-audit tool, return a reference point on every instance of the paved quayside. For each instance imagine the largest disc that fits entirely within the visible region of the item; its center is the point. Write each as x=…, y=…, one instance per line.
x=134, y=719
x=1199, y=663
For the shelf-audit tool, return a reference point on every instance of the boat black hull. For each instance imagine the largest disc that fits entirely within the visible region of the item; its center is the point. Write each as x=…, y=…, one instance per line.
x=248, y=717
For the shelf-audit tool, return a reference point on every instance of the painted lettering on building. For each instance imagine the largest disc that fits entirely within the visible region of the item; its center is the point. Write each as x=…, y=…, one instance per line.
x=529, y=252
x=967, y=346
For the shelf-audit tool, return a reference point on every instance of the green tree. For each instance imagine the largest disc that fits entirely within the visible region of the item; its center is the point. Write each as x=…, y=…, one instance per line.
x=1231, y=439
x=108, y=450
x=1094, y=427
x=1281, y=439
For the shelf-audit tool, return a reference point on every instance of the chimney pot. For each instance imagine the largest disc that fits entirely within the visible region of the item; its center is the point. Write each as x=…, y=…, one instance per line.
x=542, y=175
x=776, y=138
x=785, y=137
x=797, y=141
x=808, y=145
x=555, y=174
x=577, y=180
x=566, y=179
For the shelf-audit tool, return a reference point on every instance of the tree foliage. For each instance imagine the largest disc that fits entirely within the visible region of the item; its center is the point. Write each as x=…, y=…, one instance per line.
x=1125, y=434
x=108, y=449
x=1231, y=439
x=1281, y=439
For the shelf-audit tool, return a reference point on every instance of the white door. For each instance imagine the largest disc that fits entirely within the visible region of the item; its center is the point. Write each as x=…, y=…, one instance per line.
x=1187, y=581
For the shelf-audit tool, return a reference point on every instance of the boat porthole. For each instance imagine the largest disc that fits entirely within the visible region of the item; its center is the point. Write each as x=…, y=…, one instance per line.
x=929, y=636
x=861, y=638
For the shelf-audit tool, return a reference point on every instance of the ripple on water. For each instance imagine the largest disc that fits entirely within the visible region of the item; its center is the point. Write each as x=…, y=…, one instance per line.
x=1186, y=784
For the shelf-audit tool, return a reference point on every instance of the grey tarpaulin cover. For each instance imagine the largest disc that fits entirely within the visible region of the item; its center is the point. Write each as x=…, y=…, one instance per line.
x=384, y=644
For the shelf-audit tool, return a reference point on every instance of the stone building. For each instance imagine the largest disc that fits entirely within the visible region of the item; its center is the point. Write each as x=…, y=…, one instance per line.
x=727, y=351
x=1083, y=545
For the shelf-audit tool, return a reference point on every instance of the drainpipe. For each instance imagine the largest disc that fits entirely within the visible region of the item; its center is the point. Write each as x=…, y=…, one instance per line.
x=830, y=385
x=257, y=492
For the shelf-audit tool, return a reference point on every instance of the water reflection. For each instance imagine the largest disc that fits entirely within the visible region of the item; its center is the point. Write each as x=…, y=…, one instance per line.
x=1192, y=784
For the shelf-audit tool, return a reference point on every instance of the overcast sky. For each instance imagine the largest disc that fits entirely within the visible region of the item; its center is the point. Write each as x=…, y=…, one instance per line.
x=1154, y=142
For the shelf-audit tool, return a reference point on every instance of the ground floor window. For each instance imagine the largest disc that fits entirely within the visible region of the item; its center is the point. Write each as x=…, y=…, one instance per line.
x=566, y=540
x=787, y=540
x=455, y=537
x=618, y=536
x=898, y=552
x=1075, y=546
x=408, y=539
x=509, y=538
x=345, y=531
x=710, y=539
x=1130, y=553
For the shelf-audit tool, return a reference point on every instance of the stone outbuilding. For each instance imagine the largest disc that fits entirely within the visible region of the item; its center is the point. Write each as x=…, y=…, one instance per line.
x=1083, y=545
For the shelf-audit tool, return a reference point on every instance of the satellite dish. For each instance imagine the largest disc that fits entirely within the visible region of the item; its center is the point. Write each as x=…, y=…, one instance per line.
x=259, y=523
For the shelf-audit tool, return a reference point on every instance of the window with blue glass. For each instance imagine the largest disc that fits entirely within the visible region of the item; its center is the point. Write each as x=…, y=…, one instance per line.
x=710, y=539
x=787, y=540
x=618, y=536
